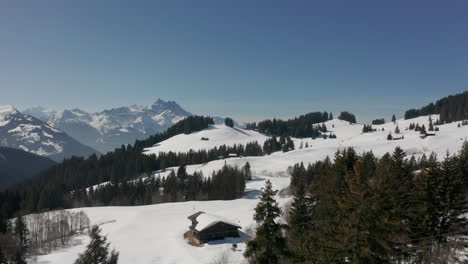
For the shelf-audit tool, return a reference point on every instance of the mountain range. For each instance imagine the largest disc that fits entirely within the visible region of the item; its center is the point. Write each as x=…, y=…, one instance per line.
x=25, y=132
x=108, y=129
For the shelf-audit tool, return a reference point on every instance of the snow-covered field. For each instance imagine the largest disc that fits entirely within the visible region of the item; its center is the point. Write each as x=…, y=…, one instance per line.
x=154, y=234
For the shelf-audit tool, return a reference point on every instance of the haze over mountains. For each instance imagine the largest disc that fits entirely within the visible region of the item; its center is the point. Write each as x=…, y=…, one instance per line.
x=108, y=129
x=25, y=132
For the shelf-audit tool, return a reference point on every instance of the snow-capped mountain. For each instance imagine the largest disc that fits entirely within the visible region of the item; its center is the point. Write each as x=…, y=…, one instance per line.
x=109, y=129
x=21, y=131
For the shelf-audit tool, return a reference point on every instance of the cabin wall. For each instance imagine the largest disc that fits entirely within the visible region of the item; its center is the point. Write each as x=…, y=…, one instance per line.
x=217, y=231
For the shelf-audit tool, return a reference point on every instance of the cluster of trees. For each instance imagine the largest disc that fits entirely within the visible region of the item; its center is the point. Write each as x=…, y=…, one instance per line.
x=367, y=129
x=186, y=126
x=299, y=127
x=272, y=144
x=380, y=121
x=225, y=184
x=450, y=108
x=38, y=233
x=14, y=240
x=361, y=209
x=229, y=122
x=50, y=230
x=347, y=116
x=97, y=250
x=463, y=123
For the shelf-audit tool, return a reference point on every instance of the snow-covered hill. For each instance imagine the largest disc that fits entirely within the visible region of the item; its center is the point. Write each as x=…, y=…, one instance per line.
x=30, y=134
x=214, y=136
x=154, y=234
x=109, y=129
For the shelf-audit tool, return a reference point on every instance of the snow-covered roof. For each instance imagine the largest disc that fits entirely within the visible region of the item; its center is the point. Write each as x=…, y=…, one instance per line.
x=205, y=220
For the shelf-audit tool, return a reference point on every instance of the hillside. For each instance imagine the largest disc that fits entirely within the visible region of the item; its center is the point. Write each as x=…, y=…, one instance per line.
x=450, y=108
x=214, y=136
x=17, y=165
x=154, y=233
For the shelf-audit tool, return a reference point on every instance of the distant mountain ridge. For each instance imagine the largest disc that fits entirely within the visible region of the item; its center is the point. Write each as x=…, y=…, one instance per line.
x=108, y=129
x=25, y=132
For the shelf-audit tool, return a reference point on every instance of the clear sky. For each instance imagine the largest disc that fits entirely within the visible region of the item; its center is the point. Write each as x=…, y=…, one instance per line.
x=246, y=59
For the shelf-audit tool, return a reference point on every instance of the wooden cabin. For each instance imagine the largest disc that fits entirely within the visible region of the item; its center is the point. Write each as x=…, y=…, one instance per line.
x=207, y=227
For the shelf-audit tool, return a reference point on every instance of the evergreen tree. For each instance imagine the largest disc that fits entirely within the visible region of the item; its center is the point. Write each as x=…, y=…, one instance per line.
x=300, y=226
x=229, y=122
x=97, y=251
x=422, y=130
x=247, y=172
x=269, y=245
x=393, y=118
x=347, y=116
x=389, y=137
x=431, y=125
x=397, y=130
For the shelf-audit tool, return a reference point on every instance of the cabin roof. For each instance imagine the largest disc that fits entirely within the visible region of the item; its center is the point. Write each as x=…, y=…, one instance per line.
x=204, y=220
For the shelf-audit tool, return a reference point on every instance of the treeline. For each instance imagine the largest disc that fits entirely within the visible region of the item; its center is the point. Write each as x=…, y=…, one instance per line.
x=14, y=240
x=362, y=209
x=299, y=127
x=450, y=108
x=225, y=184
x=347, y=116
x=186, y=126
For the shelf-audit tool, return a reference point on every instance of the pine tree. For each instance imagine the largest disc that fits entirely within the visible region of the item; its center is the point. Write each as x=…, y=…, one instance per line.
x=393, y=118
x=300, y=225
x=247, y=172
x=97, y=251
x=431, y=125
x=269, y=245
x=389, y=137
x=229, y=122
x=397, y=130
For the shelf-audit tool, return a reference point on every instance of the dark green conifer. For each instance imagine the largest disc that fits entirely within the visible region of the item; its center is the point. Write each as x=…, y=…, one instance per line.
x=97, y=251
x=269, y=244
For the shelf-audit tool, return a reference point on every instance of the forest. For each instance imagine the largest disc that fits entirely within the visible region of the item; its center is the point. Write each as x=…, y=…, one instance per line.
x=300, y=127
x=451, y=108
x=357, y=208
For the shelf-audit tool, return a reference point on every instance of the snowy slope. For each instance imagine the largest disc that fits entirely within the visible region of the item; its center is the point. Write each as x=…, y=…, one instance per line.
x=154, y=234
x=30, y=134
x=217, y=135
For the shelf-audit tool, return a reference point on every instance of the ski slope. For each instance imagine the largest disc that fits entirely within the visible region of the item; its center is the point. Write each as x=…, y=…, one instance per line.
x=154, y=234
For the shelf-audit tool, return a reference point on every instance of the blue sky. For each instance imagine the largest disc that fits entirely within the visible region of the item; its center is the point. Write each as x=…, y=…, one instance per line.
x=246, y=59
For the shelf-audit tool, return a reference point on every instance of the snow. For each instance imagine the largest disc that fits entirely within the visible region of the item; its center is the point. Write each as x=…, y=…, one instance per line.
x=217, y=135
x=206, y=220
x=154, y=233
x=5, y=111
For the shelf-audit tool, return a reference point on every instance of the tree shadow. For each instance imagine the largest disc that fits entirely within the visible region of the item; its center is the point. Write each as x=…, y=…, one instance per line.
x=252, y=194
